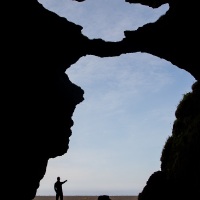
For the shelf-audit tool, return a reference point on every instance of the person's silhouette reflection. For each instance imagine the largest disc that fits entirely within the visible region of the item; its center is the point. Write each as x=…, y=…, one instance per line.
x=58, y=188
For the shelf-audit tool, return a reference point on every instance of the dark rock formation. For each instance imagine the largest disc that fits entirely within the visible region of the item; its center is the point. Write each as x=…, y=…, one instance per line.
x=37, y=97
x=156, y=188
x=104, y=197
x=180, y=159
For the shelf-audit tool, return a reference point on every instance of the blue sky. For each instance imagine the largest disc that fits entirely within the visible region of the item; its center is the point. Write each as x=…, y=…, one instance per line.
x=128, y=112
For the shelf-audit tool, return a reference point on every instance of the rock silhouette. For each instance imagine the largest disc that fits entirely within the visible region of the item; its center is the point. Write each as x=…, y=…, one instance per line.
x=104, y=197
x=38, y=99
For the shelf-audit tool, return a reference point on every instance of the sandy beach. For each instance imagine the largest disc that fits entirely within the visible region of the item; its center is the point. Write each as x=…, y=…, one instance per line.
x=85, y=198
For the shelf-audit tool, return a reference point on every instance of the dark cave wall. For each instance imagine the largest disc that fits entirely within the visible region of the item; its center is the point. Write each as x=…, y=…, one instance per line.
x=180, y=159
x=38, y=98
x=173, y=37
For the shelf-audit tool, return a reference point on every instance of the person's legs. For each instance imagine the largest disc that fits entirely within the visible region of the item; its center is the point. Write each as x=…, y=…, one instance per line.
x=57, y=196
x=61, y=196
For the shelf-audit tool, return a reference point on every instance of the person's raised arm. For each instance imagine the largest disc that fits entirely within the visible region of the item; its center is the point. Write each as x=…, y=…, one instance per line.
x=64, y=181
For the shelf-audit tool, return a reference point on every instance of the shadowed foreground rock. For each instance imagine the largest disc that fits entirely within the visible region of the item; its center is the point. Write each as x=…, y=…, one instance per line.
x=104, y=197
x=38, y=99
x=180, y=160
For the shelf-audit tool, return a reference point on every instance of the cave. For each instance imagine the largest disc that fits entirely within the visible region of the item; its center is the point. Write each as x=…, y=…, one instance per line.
x=39, y=99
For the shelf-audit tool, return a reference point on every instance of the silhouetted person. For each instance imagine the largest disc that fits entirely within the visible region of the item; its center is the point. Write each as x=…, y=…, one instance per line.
x=58, y=188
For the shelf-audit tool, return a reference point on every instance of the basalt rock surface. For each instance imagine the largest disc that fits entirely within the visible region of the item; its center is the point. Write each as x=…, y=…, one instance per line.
x=38, y=99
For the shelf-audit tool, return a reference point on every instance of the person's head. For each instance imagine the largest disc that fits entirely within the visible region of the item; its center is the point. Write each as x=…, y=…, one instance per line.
x=58, y=178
